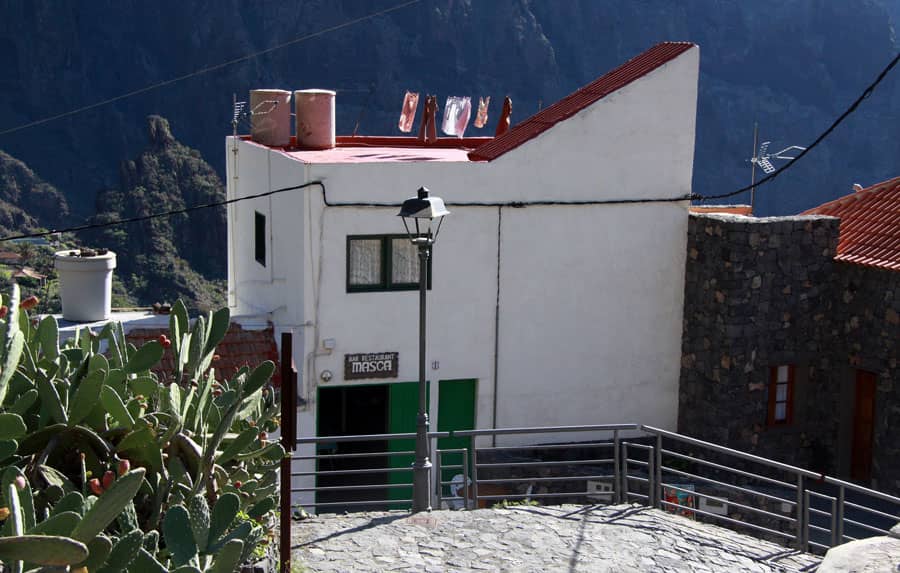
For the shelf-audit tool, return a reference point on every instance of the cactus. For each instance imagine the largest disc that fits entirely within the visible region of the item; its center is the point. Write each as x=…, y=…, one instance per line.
x=78, y=421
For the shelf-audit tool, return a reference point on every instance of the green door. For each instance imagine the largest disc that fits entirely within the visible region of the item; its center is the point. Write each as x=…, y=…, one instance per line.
x=456, y=411
x=402, y=411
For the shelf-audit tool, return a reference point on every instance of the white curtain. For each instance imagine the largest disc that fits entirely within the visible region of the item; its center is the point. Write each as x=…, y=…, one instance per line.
x=405, y=262
x=365, y=261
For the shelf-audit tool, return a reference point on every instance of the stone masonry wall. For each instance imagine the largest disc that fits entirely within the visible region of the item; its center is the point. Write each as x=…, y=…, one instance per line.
x=758, y=293
x=868, y=319
x=765, y=292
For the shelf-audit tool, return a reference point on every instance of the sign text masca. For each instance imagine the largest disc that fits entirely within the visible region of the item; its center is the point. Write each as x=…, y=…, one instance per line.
x=376, y=365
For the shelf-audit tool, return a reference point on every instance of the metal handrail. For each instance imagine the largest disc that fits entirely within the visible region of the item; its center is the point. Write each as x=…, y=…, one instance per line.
x=645, y=474
x=737, y=453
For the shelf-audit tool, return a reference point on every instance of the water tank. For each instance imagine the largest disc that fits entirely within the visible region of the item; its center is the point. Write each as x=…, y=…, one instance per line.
x=315, y=118
x=85, y=284
x=270, y=119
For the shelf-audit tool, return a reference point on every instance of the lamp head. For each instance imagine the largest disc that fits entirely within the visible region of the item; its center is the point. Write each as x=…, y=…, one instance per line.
x=423, y=210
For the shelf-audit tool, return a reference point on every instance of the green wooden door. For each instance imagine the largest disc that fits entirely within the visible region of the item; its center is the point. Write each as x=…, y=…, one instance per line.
x=402, y=411
x=456, y=411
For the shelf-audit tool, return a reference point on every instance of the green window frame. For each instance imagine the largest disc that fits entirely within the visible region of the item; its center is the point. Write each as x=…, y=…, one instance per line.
x=385, y=274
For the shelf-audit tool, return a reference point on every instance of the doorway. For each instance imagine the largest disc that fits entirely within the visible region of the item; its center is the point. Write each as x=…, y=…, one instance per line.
x=351, y=411
x=863, y=426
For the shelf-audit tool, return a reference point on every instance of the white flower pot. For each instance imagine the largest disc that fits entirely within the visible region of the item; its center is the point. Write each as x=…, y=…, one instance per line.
x=85, y=285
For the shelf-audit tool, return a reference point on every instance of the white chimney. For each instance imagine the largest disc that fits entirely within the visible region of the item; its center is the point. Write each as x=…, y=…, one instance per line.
x=315, y=118
x=85, y=284
x=270, y=117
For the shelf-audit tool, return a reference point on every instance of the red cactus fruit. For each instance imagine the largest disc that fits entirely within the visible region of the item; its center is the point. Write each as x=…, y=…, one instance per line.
x=20, y=483
x=29, y=303
x=108, y=479
x=4, y=310
x=94, y=484
x=124, y=466
x=238, y=484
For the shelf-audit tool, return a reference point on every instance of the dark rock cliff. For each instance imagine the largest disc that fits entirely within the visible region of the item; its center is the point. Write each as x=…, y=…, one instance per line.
x=793, y=66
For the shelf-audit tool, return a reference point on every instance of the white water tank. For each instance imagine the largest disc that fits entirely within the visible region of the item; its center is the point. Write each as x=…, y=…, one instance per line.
x=85, y=284
x=314, y=110
x=270, y=117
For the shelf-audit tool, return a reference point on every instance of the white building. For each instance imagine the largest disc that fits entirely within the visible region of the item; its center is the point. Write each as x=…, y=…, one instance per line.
x=540, y=312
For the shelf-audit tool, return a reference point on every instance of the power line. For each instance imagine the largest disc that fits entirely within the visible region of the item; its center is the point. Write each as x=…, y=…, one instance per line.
x=140, y=218
x=206, y=70
x=321, y=185
x=868, y=91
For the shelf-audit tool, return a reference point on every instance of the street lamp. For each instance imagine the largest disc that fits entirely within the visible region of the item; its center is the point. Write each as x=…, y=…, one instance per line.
x=422, y=212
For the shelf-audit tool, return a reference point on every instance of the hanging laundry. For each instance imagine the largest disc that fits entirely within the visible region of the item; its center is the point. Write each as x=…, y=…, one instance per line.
x=408, y=113
x=481, y=117
x=457, y=112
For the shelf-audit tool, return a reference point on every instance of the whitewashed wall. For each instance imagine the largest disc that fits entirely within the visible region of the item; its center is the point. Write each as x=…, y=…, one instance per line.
x=591, y=297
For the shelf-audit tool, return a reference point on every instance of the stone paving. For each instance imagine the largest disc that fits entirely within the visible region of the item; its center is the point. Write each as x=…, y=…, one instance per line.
x=614, y=539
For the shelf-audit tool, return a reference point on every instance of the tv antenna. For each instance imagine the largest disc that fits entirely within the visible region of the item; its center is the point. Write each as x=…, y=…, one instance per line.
x=763, y=158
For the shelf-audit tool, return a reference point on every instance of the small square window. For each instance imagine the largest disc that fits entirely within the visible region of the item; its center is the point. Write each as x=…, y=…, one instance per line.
x=259, y=238
x=382, y=263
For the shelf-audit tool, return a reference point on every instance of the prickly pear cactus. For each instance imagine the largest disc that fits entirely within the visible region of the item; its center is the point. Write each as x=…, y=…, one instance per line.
x=106, y=465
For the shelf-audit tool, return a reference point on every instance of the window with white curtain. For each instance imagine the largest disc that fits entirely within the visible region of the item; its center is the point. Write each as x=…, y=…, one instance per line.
x=381, y=263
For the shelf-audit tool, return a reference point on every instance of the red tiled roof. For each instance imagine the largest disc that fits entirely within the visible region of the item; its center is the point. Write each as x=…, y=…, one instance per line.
x=565, y=108
x=870, y=225
x=239, y=348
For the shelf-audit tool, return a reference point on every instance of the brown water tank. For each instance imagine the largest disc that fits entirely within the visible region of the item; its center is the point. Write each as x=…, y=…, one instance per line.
x=314, y=111
x=270, y=119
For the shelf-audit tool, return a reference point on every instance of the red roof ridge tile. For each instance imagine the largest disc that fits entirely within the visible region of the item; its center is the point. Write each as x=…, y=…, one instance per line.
x=851, y=198
x=630, y=71
x=869, y=232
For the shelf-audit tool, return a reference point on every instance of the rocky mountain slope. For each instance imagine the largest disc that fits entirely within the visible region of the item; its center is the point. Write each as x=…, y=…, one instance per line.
x=166, y=258
x=791, y=66
x=27, y=202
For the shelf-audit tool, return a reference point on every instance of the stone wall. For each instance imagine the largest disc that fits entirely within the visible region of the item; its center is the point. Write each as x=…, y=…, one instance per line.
x=758, y=293
x=868, y=323
x=766, y=292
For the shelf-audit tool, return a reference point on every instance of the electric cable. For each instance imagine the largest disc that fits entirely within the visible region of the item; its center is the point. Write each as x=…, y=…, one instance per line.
x=140, y=218
x=514, y=204
x=208, y=69
x=868, y=91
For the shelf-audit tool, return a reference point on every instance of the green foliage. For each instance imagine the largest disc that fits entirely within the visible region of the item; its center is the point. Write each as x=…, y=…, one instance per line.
x=98, y=455
x=153, y=265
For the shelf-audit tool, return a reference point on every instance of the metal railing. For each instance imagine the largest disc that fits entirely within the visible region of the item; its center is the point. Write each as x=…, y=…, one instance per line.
x=619, y=463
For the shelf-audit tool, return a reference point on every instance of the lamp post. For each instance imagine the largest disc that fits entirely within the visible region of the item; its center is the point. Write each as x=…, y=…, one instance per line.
x=422, y=212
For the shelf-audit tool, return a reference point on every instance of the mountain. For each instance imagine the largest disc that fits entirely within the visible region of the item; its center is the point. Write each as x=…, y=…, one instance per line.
x=166, y=258
x=792, y=66
x=27, y=202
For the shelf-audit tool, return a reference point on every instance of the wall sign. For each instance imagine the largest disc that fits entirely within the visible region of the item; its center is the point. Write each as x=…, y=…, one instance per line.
x=377, y=365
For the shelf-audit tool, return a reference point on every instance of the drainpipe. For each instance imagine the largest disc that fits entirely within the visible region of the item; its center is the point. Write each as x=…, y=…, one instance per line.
x=496, y=329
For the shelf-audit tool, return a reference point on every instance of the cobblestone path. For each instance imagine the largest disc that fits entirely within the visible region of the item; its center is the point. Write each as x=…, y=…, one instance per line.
x=614, y=539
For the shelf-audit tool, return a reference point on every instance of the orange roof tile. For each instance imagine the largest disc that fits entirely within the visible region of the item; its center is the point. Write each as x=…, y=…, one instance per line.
x=870, y=225
x=565, y=108
x=239, y=348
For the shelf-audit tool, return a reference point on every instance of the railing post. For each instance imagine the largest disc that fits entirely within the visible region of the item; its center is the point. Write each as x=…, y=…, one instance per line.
x=840, y=516
x=474, y=478
x=658, y=468
x=834, y=528
x=617, y=480
x=465, y=465
x=624, y=472
x=651, y=478
x=802, y=514
x=289, y=442
x=439, y=489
